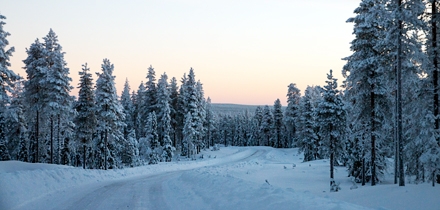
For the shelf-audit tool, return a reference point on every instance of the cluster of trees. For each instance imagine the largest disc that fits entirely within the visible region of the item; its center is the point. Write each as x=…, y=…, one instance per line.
x=40, y=122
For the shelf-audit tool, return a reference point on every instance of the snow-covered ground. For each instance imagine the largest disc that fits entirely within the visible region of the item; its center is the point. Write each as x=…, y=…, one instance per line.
x=231, y=178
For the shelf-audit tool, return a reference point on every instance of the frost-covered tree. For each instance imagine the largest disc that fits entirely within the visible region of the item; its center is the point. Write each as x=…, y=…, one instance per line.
x=309, y=140
x=127, y=104
x=266, y=127
x=291, y=114
x=192, y=102
x=140, y=112
x=7, y=79
x=150, y=91
x=257, y=120
x=57, y=99
x=164, y=111
x=367, y=74
x=189, y=136
x=110, y=117
x=33, y=94
x=278, y=126
x=153, y=138
x=210, y=123
x=331, y=117
x=85, y=119
x=174, y=108
x=16, y=125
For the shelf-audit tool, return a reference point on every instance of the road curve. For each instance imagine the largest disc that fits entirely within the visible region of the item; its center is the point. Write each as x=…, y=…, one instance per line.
x=146, y=192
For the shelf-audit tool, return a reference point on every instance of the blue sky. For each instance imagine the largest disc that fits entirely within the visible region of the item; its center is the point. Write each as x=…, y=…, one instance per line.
x=244, y=52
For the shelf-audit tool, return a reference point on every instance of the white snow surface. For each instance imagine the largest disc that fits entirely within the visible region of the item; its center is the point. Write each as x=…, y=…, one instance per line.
x=230, y=178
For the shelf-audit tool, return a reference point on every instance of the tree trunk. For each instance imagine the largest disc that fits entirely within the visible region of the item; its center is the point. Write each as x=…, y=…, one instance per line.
x=84, y=156
x=58, y=140
x=51, y=139
x=363, y=171
x=372, y=131
x=37, y=134
x=332, y=157
x=399, y=100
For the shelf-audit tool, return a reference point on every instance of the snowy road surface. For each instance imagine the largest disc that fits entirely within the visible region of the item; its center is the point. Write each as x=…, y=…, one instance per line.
x=231, y=178
x=146, y=192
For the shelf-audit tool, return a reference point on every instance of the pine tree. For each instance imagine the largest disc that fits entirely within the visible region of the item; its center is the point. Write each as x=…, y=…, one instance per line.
x=7, y=79
x=110, y=117
x=291, y=114
x=151, y=91
x=33, y=94
x=309, y=140
x=278, y=141
x=210, y=123
x=128, y=106
x=174, y=107
x=367, y=73
x=85, y=120
x=266, y=127
x=57, y=86
x=331, y=118
x=16, y=128
x=140, y=113
x=257, y=119
x=164, y=111
x=189, y=136
x=153, y=138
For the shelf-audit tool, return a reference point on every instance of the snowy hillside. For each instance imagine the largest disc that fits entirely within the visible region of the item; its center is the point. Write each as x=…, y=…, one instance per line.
x=231, y=178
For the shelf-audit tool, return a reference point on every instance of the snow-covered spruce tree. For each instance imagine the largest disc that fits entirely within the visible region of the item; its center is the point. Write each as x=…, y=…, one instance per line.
x=7, y=79
x=151, y=91
x=16, y=125
x=189, y=136
x=33, y=95
x=291, y=114
x=131, y=150
x=209, y=123
x=429, y=109
x=164, y=111
x=174, y=107
x=139, y=112
x=153, y=138
x=85, y=119
x=331, y=117
x=266, y=127
x=404, y=35
x=57, y=98
x=278, y=123
x=201, y=112
x=367, y=74
x=181, y=111
x=309, y=140
x=191, y=96
x=110, y=117
x=257, y=120
x=128, y=106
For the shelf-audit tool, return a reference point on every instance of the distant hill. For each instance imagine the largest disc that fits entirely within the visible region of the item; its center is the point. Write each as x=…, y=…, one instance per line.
x=233, y=108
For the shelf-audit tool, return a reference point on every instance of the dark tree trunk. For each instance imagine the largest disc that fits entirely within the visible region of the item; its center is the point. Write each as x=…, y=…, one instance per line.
x=84, y=156
x=37, y=134
x=51, y=139
x=373, y=135
x=399, y=100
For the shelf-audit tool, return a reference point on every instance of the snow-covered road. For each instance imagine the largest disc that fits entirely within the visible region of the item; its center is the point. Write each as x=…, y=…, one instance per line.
x=145, y=192
x=231, y=178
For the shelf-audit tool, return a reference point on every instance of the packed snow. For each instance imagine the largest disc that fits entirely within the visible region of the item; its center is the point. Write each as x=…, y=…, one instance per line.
x=229, y=178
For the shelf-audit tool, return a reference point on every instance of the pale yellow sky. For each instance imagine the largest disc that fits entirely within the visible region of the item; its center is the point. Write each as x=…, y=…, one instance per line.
x=244, y=52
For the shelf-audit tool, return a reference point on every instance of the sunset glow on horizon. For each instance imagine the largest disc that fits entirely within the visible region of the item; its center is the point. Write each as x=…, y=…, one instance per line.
x=244, y=52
